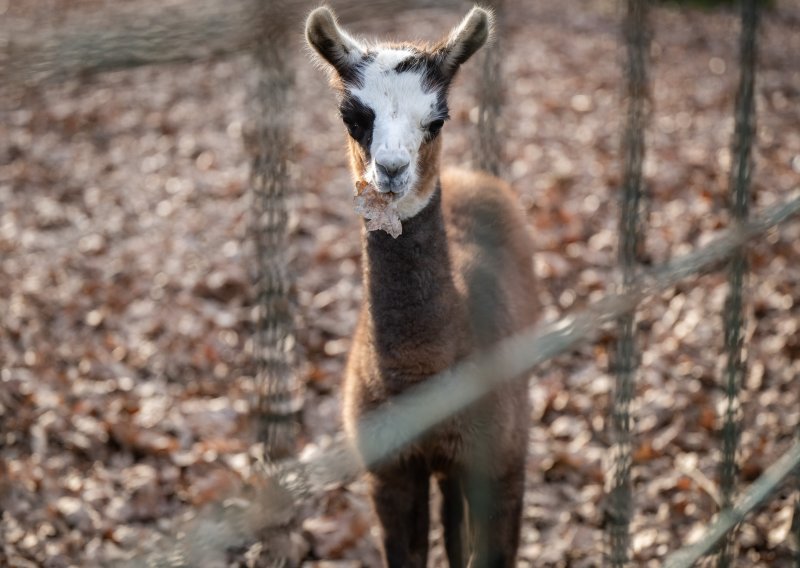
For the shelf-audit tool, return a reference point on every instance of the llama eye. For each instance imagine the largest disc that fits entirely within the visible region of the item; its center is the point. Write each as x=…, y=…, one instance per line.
x=359, y=128
x=355, y=129
x=435, y=126
x=358, y=118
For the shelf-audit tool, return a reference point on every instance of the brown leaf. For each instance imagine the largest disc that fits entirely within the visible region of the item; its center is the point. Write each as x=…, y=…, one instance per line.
x=361, y=185
x=213, y=486
x=645, y=452
x=683, y=483
x=146, y=441
x=332, y=535
x=388, y=221
x=379, y=210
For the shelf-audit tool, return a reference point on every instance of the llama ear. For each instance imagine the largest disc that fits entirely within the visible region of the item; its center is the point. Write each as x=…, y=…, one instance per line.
x=465, y=40
x=331, y=42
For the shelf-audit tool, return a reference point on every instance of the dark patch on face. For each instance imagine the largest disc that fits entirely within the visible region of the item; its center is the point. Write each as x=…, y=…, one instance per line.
x=359, y=120
x=425, y=63
x=353, y=75
x=433, y=80
x=416, y=62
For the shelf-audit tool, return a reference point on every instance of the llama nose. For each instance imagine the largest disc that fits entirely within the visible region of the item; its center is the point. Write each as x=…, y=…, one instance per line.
x=392, y=168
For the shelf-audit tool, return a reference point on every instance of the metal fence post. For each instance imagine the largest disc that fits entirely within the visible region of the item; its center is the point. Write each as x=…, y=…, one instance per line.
x=487, y=146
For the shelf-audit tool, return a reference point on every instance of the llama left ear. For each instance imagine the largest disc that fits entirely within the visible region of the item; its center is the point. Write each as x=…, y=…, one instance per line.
x=331, y=42
x=465, y=39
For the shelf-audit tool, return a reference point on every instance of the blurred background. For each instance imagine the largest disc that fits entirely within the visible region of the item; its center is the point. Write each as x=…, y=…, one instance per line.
x=128, y=383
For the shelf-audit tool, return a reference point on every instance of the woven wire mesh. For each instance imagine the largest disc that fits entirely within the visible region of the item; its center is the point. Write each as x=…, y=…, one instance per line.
x=487, y=147
x=269, y=507
x=754, y=496
x=796, y=518
x=240, y=519
x=280, y=394
x=734, y=309
x=619, y=510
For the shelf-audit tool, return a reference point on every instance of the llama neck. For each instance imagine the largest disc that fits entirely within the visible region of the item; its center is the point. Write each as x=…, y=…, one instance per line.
x=410, y=292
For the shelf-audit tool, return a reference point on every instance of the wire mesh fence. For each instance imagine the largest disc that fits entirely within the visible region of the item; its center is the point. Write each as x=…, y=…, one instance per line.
x=734, y=309
x=636, y=33
x=422, y=408
x=280, y=394
x=264, y=511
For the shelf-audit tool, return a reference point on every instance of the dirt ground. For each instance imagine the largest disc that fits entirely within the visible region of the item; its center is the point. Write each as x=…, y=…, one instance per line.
x=126, y=383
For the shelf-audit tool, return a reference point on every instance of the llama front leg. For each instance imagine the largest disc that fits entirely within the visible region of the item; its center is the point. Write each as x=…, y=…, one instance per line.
x=400, y=495
x=495, y=511
x=456, y=538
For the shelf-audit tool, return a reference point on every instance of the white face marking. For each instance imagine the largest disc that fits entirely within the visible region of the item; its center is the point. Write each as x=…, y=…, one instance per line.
x=402, y=112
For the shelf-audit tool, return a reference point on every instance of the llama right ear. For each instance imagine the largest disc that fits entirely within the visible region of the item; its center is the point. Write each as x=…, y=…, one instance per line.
x=331, y=42
x=467, y=38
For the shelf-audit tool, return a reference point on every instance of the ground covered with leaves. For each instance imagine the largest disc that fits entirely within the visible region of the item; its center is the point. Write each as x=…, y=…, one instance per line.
x=127, y=385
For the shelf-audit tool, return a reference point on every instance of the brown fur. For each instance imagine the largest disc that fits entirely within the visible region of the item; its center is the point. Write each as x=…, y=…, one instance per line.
x=456, y=281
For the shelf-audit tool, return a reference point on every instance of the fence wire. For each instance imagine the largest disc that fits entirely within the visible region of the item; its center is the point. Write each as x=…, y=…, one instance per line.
x=147, y=33
x=626, y=359
x=488, y=147
x=280, y=394
x=280, y=391
x=734, y=313
x=755, y=495
x=269, y=507
x=212, y=28
x=795, y=528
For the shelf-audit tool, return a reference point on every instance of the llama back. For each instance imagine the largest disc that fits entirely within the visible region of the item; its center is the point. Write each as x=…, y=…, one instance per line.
x=491, y=254
x=492, y=265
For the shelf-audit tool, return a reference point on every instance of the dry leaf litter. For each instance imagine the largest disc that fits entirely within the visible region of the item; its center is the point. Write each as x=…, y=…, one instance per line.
x=126, y=380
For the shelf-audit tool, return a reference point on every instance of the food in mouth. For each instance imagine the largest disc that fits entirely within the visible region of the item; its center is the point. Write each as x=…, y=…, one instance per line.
x=378, y=209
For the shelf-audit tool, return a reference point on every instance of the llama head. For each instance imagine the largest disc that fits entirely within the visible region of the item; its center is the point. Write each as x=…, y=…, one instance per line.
x=393, y=101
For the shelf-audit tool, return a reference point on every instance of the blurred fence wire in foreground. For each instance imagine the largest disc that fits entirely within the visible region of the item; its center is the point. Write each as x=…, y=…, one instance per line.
x=796, y=518
x=419, y=409
x=280, y=397
x=207, y=29
x=148, y=33
x=626, y=359
x=487, y=144
x=733, y=318
x=756, y=494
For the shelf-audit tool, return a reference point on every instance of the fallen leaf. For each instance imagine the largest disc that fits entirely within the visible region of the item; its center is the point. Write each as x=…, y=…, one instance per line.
x=361, y=185
x=379, y=210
